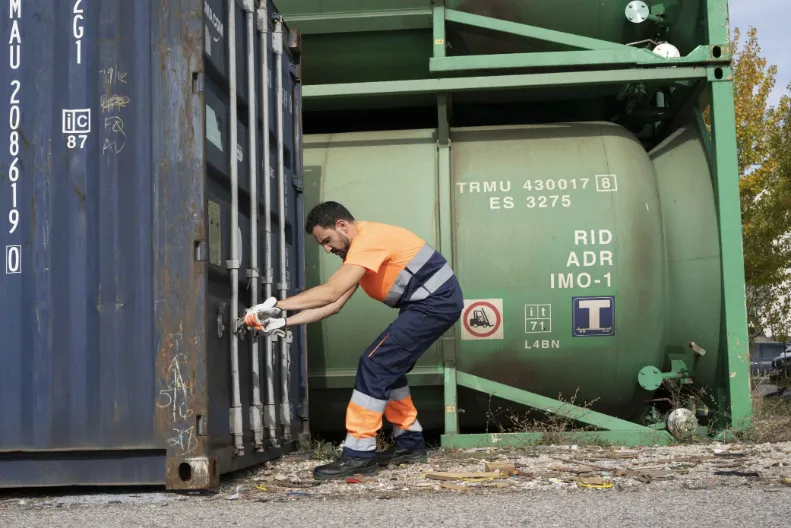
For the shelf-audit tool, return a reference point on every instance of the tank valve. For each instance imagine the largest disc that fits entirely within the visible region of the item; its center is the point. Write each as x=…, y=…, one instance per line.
x=650, y=377
x=638, y=12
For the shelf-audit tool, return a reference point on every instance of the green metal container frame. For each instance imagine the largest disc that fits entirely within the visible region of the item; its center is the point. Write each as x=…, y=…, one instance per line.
x=704, y=75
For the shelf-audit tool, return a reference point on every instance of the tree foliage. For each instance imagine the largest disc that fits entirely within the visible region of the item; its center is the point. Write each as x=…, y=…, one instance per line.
x=764, y=152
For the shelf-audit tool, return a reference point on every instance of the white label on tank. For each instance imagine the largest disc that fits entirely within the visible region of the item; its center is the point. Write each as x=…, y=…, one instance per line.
x=213, y=133
x=536, y=193
x=538, y=318
x=542, y=343
x=606, y=183
x=239, y=153
x=482, y=319
x=207, y=39
x=589, y=254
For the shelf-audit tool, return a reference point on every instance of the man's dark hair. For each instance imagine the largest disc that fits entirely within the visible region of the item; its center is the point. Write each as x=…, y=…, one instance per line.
x=326, y=214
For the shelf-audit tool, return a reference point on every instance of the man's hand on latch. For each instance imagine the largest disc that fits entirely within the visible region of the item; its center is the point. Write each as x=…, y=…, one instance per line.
x=265, y=317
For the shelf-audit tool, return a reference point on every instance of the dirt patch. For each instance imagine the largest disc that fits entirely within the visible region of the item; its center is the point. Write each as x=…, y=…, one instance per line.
x=561, y=468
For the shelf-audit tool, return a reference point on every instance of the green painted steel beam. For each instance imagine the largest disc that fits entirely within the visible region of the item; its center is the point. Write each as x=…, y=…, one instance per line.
x=327, y=23
x=550, y=405
x=501, y=82
x=504, y=440
x=524, y=30
x=735, y=340
x=622, y=57
x=735, y=337
x=439, y=32
x=344, y=378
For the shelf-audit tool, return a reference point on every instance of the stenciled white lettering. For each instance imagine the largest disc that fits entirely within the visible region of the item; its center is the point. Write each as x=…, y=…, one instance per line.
x=77, y=28
x=13, y=252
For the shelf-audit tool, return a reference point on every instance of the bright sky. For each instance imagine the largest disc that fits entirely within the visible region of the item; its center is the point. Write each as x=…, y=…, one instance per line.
x=771, y=18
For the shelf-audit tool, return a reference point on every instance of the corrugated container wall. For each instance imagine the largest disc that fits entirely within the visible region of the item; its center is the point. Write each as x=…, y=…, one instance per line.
x=125, y=262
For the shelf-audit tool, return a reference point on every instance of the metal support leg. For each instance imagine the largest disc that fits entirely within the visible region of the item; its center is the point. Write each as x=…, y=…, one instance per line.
x=446, y=248
x=735, y=340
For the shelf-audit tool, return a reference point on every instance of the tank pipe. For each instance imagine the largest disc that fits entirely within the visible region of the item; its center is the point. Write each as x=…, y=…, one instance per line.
x=234, y=263
x=270, y=418
x=285, y=414
x=252, y=274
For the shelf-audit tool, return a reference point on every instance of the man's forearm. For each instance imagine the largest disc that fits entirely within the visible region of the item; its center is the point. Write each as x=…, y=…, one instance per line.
x=318, y=297
x=311, y=315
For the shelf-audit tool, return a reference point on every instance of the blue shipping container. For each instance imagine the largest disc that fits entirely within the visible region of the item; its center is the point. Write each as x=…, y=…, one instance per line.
x=127, y=232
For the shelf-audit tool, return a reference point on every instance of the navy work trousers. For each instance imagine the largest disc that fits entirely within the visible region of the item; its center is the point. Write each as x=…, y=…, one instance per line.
x=381, y=387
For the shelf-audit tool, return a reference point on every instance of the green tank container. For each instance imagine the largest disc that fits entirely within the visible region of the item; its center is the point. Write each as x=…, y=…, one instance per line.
x=348, y=41
x=551, y=224
x=557, y=154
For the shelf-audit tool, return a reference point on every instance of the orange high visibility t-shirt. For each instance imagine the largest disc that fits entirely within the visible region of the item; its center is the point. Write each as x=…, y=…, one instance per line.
x=384, y=251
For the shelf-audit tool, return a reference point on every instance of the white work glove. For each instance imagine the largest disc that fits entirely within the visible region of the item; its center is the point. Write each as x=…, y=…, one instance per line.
x=272, y=325
x=265, y=314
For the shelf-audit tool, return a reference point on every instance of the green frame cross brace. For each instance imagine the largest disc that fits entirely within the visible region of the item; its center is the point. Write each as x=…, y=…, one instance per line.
x=593, y=52
x=702, y=75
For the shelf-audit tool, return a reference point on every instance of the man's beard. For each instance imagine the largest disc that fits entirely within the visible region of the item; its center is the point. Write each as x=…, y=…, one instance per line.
x=342, y=252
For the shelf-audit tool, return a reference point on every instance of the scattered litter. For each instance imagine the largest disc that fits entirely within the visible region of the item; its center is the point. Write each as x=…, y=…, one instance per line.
x=463, y=475
x=594, y=483
x=296, y=494
x=737, y=473
x=500, y=466
x=454, y=487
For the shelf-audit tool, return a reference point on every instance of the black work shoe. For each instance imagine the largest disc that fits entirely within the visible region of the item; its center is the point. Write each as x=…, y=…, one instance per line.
x=395, y=455
x=346, y=466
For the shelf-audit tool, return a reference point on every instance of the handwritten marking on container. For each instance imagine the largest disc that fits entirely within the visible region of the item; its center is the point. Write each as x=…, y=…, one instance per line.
x=184, y=440
x=113, y=132
x=112, y=75
x=176, y=395
x=77, y=29
x=13, y=253
x=113, y=102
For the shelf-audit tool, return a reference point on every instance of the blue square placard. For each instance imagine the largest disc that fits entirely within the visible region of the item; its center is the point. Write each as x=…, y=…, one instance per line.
x=592, y=316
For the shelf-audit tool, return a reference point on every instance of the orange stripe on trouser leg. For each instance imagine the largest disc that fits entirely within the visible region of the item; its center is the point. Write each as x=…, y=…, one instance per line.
x=362, y=422
x=401, y=413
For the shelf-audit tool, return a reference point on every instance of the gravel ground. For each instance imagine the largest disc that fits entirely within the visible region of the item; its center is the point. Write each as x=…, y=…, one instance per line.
x=665, y=508
x=703, y=485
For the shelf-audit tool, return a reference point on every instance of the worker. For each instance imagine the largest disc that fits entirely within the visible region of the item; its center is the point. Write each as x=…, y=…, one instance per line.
x=398, y=268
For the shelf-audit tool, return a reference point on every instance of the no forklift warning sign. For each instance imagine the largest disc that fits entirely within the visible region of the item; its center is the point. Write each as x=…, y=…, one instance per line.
x=482, y=319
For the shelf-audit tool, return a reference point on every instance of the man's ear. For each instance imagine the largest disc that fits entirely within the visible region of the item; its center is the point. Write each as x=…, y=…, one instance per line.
x=342, y=227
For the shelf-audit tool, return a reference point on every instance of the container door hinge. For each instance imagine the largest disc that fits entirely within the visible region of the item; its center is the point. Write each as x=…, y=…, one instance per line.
x=201, y=251
x=269, y=277
x=252, y=274
x=198, y=82
x=220, y=317
x=302, y=411
x=261, y=22
x=297, y=183
x=203, y=426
